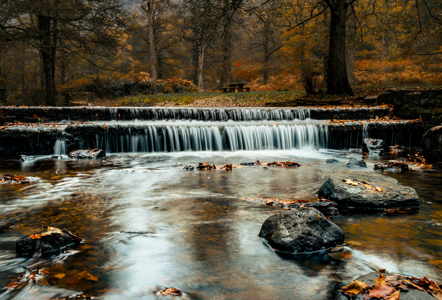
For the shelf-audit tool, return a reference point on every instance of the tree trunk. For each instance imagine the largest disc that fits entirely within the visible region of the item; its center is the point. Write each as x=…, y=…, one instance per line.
x=200, y=67
x=64, y=72
x=48, y=39
x=226, y=75
x=266, y=70
x=337, y=79
x=153, y=69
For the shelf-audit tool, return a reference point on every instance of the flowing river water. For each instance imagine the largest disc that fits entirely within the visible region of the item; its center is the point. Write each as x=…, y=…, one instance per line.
x=148, y=224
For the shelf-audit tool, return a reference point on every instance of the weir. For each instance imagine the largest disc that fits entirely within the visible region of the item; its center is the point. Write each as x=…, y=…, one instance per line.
x=243, y=129
x=58, y=114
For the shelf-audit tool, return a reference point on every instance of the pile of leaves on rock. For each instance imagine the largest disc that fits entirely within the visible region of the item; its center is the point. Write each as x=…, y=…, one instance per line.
x=228, y=167
x=365, y=183
x=13, y=179
x=390, y=287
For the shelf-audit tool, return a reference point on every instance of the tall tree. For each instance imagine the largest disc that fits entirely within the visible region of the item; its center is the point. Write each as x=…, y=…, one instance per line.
x=85, y=26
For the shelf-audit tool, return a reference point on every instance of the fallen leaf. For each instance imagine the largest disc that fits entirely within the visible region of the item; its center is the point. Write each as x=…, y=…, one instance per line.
x=395, y=296
x=72, y=281
x=381, y=288
x=60, y=276
x=12, y=285
x=170, y=292
x=355, y=288
x=378, y=189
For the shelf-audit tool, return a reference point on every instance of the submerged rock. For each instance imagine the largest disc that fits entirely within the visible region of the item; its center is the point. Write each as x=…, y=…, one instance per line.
x=432, y=145
x=299, y=231
x=332, y=161
x=353, y=162
x=46, y=243
x=88, y=154
x=375, y=192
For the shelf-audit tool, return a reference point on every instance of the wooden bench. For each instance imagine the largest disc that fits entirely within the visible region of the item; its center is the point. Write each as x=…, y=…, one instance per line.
x=232, y=87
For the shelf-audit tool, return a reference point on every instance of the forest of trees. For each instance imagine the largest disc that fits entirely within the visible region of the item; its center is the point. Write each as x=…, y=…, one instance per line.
x=48, y=47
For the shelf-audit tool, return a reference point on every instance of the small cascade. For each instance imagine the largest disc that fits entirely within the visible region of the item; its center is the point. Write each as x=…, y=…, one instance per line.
x=210, y=137
x=60, y=147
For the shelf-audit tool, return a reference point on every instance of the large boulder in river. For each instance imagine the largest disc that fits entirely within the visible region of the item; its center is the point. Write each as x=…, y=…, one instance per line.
x=432, y=145
x=300, y=231
x=363, y=190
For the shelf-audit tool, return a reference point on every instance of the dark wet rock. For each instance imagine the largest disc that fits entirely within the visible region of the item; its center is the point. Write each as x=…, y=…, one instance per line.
x=332, y=161
x=265, y=168
x=392, y=166
x=13, y=179
x=408, y=292
x=302, y=230
x=375, y=146
x=51, y=242
x=189, y=168
x=364, y=195
x=88, y=154
x=247, y=164
x=354, y=162
x=432, y=145
x=328, y=208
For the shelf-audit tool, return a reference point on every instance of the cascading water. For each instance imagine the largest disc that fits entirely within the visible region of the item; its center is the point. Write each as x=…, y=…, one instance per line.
x=210, y=137
x=60, y=147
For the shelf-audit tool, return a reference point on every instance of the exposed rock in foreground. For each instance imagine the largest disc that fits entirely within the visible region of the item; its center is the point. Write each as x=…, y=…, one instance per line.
x=360, y=190
x=50, y=242
x=432, y=145
x=301, y=231
x=88, y=154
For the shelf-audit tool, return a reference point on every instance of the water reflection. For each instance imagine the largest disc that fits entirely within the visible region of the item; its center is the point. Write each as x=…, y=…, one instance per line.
x=149, y=225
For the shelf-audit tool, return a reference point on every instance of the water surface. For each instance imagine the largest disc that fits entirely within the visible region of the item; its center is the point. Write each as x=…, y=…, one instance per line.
x=191, y=230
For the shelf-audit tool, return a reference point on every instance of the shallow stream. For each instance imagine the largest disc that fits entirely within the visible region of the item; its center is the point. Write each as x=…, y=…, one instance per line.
x=148, y=224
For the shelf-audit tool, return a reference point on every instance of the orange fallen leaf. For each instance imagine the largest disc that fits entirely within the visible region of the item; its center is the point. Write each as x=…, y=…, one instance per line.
x=12, y=285
x=355, y=288
x=72, y=281
x=60, y=276
x=35, y=236
x=380, y=288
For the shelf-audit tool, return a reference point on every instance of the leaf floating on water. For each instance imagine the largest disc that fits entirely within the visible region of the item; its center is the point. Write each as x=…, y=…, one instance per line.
x=60, y=276
x=170, y=292
x=355, y=288
x=12, y=285
x=86, y=275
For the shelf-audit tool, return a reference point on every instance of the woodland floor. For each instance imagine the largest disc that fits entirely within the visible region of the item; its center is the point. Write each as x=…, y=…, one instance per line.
x=245, y=99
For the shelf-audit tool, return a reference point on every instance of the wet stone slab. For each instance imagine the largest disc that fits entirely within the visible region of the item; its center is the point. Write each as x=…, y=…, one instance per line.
x=368, y=191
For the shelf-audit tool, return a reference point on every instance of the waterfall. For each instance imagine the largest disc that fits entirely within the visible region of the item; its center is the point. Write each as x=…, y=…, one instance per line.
x=174, y=138
x=60, y=147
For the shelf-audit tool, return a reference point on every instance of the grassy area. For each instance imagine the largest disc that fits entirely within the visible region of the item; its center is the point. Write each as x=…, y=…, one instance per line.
x=246, y=99
x=212, y=99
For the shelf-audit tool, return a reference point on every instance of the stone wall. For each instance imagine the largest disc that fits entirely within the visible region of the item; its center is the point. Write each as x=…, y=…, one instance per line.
x=415, y=104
